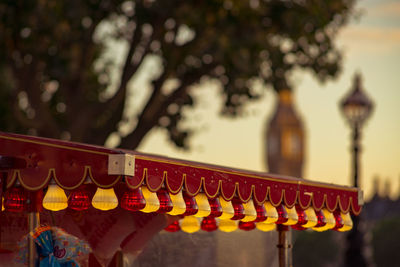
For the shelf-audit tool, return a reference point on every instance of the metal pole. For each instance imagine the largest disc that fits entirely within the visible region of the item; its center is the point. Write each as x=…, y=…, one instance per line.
x=283, y=246
x=355, y=238
x=33, y=222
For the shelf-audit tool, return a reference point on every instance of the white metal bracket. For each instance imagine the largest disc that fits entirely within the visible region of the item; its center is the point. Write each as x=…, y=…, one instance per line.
x=121, y=164
x=360, y=197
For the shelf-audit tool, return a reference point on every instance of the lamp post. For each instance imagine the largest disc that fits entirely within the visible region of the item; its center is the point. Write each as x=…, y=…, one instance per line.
x=356, y=108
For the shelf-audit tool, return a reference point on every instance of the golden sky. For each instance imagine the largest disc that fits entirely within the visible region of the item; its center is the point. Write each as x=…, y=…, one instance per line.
x=371, y=46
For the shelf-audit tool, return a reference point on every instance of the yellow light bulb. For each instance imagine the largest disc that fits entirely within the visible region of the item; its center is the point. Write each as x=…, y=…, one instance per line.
x=178, y=203
x=190, y=224
x=152, y=201
x=250, y=213
x=330, y=221
x=292, y=216
x=105, y=199
x=228, y=225
x=265, y=227
x=55, y=198
x=272, y=213
x=312, y=219
x=2, y=203
x=227, y=209
x=347, y=222
x=203, y=205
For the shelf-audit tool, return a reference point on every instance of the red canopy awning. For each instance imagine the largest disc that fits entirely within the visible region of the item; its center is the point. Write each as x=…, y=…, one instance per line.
x=69, y=164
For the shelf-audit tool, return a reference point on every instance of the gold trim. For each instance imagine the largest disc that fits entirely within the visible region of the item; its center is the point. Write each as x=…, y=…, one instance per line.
x=218, y=188
x=223, y=193
x=148, y=185
x=270, y=199
x=353, y=208
x=73, y=187
x=187, y=190
x=205, y=188
x=49, y=173
x=349, y=206
x=165, y=178
x=285, y=200
x=316, y=184
x=240, y=196
x=100, y=185
x=13, y=178
x=54, y=145
x=265, y=197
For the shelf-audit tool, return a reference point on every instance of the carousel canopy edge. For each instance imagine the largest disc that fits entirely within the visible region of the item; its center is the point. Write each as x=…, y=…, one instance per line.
x=70, y=164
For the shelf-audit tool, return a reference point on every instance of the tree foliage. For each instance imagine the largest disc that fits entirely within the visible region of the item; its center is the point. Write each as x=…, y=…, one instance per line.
x=58, y=79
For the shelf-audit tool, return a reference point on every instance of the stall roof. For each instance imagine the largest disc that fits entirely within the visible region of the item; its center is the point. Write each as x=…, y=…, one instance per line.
x=70, y=164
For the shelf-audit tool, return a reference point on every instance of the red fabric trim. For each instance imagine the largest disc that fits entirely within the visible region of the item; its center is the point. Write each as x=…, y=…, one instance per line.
x=69, y=164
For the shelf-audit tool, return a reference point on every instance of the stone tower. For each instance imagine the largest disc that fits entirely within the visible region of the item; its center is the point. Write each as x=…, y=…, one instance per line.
x=285, y=138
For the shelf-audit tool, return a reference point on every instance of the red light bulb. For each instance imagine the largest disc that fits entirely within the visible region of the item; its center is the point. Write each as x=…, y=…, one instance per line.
x=173, y=227
x=79, y=199
x=282, y=214
x=239, y=210
x=215, y=205
x=133, y=200
x=165, y=201
x=15, y=200
x=261, y=213
x=209, y=224
x=191, y=205
x=339, y=220
x=321, y=219
x=247, y=226
x=302, y=219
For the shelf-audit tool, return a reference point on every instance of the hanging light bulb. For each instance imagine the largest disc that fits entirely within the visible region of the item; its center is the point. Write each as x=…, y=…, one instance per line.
x=55, y=198
x=239, y=210
x=209, y=224
x=246, y=226
x=173, y=227
x=105, y=199
x=265, y=227
x=321, y=220
x=282, y=214
x=191, y=205
x=79, y=199
x=272, y=213
x=339, y=221
x=292, y=216
x=2, y=204
x=165, y=201
x=347, y=222
x=179, y=206
x=250, y=213
x=203, y=205
x=312, y=219
x=133, y=200
x=215, y=205
x=228, y=225
x=190, y=224
x=303, y=219
x=330, y=221
x=15, y=200
x=261, y=213
x=151, y=199
x=227, y=209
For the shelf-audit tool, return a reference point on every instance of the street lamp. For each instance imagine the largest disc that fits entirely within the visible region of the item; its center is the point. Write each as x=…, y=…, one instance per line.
x=356, y=108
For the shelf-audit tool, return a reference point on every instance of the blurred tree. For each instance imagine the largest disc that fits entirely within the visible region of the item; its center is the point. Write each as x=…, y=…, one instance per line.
x=62, y=77
x=384, y=242
x=315, y=249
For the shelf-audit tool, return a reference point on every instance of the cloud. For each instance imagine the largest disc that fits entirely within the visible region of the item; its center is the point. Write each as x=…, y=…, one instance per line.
x=385, y=9
x=370, y=39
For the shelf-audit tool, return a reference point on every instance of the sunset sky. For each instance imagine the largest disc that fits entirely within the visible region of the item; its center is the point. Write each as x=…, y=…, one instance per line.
x=371, y=46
